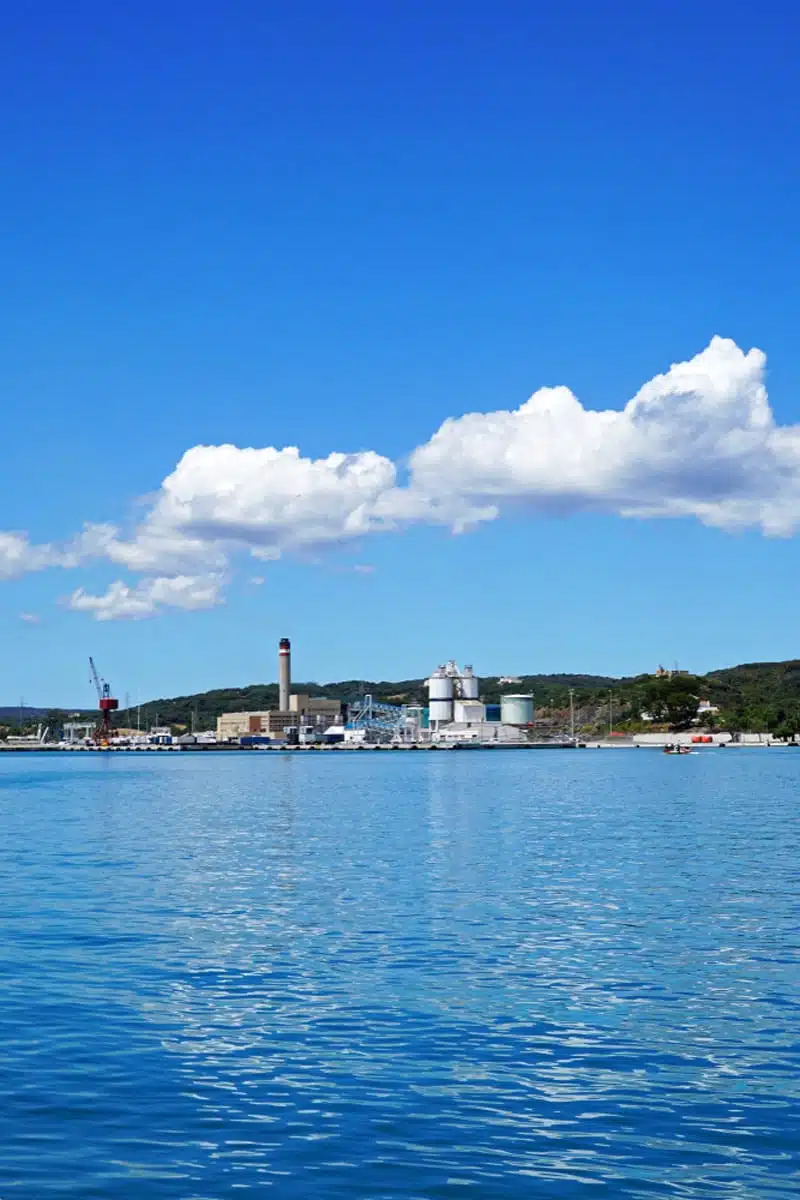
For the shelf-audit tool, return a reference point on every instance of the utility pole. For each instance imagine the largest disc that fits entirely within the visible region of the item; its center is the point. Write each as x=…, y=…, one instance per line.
x=610, y=712
x=572, y=713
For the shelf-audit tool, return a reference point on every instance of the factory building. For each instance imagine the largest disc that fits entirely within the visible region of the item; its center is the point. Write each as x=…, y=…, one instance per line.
x=469, y=712
x=457, y=714
x=271, y=724
x=315, y=706
x=301, y=711
x=449, y=686
x=238, y=724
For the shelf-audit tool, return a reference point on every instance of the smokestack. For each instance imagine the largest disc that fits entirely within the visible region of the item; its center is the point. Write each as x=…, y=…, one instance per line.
x=284, y=673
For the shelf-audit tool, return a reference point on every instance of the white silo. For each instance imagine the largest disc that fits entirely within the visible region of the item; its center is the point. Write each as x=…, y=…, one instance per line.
x=469, y=684
x=516, y=709
x=440, y=696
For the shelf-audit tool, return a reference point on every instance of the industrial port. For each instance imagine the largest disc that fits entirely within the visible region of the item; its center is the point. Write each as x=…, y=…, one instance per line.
x=455, y=717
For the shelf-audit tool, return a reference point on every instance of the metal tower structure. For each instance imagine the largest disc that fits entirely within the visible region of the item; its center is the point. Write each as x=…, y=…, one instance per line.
x=383, y=722
x=105, y=702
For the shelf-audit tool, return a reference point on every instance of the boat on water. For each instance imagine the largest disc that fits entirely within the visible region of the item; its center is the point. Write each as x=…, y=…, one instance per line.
x=670, y=749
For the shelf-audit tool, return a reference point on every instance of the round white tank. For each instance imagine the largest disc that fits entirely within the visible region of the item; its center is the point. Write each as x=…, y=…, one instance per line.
x=516, y=710
x=469, y=685
x=440, y=696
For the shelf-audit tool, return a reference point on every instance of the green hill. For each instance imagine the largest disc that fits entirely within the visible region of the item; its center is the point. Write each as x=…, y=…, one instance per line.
x=205, y=707
x=757, y=696
x=753, y=696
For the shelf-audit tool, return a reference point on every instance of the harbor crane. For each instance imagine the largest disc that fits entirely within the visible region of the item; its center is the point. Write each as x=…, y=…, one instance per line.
x=105, y=702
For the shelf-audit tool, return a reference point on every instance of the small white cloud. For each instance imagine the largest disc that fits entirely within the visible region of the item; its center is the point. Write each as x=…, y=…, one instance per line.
x=122, y=602
x=30, y=618
x=153, y=548
x=364, y=569
x=18, y=556
x=256, y=580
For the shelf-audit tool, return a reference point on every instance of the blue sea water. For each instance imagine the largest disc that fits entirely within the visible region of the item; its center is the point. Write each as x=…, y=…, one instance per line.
x=500, y=974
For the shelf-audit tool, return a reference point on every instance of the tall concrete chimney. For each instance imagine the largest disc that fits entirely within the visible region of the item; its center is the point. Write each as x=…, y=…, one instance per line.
x=284, y=673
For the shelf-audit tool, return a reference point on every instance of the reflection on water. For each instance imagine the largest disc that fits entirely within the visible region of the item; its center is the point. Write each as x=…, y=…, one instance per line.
x=400, y=975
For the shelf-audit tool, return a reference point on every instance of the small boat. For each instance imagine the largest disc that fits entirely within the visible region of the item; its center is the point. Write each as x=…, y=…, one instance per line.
x=670, y=749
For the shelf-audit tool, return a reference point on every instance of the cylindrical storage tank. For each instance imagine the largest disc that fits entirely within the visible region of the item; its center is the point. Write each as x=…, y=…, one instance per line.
x=469, y=685
x=440, y=695
x=516, y=710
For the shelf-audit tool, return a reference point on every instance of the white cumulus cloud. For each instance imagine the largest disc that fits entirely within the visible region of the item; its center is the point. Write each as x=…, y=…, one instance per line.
x=155, y=548
x=699, y=440
x=123, y=602
x=18, y=556
x=267, y=500
x=272, y=499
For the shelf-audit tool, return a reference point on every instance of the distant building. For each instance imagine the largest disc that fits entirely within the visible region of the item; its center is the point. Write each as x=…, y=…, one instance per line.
x=306, y=711
x=448, y=683
x=469, y=712
x=315, y=706
x=238, y=724
x=667, y=673
x=245, y=724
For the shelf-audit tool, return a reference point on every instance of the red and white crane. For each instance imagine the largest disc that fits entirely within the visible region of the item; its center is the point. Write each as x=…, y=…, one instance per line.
x=105, y=702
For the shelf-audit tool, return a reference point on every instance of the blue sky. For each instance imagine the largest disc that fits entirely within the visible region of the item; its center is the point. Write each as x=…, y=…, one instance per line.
x=335, y=226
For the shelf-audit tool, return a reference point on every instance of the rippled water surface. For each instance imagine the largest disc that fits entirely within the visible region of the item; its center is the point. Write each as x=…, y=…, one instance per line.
x=419, y=975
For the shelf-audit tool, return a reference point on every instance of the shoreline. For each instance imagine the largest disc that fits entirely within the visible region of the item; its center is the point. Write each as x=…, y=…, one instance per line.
x=385, y=748
x=314, y=749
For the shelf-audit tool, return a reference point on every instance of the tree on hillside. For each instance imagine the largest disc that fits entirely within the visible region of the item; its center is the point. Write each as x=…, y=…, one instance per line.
x=784, y=721
x=672, y=700
x=756, y=718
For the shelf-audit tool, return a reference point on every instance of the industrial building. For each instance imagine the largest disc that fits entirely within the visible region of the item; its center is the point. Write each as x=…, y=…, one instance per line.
x=307, y=716
x=453, y=696
x=456, y=712
x=315, y=706
x=274, y=723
